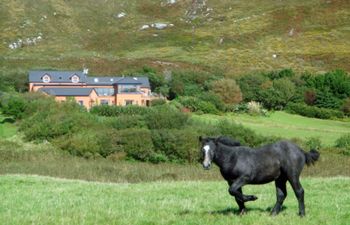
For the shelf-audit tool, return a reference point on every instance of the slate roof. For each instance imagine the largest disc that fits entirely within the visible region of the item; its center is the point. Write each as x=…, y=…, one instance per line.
x=64, y=77
x=56, y=76
x=67, y=91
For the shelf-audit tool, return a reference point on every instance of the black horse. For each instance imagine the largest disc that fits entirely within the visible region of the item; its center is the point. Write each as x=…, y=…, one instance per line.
x=239, y=165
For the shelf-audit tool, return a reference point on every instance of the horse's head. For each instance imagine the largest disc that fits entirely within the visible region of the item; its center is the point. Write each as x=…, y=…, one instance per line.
x=208, y=146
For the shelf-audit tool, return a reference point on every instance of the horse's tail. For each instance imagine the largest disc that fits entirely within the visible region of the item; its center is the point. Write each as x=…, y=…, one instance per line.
x=311, y=157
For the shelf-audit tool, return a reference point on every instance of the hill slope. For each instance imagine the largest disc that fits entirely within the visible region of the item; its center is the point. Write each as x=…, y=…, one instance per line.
x=236, y=36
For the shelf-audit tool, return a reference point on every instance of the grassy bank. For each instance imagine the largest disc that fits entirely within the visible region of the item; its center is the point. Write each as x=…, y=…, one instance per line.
x=286, y=125
x=41, y=200
x=6, y=129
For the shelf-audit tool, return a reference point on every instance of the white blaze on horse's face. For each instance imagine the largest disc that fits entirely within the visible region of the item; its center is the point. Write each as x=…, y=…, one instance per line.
x=207, y=158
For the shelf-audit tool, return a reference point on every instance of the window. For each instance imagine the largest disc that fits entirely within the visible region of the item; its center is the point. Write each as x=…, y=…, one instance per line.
x=129, y=102
x=46, y=78
x=104, y=91
x=75, y=79
x=81, y=102
x=104, y=102
x=127, y=88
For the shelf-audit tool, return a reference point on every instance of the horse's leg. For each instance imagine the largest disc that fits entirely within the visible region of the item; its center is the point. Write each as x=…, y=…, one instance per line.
x=240, y=203
x=281, y=194
x=236, y=186
x=299, y=193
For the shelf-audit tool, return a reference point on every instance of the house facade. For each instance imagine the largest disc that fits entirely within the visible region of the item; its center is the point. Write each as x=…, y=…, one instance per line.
x=90, y=91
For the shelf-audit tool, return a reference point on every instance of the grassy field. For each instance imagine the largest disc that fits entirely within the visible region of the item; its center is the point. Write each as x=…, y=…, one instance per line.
x=42, y=200
x=286, y=125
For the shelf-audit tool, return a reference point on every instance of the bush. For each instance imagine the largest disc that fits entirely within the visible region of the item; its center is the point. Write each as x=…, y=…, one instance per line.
x=88, y=143
x=312, y=111
x=346, y=106
x=13, y=105
x=244, y=135
x=313, y=143
x=344, y=143
x=156, y=102
x=197, y=105
x=165, y=117
x=228, y=90
x=106, y=110
x=176, y=145
x=137, y=144
x=125, y=122
x=61, y=119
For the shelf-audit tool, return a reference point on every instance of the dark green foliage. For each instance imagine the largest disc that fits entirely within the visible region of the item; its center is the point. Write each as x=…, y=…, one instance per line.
x=190, y=83
x=344, y=143
x=285, y=73
x=313, y=143
x=245, y=135
x=125, y=122
x=277, y=96
x=156, y=102
x=15, y=80
x=176, y=145
x=65, y=118
x=251, y=86
x=197, y=105
x=106, y=110
x=214, y=99
x=137, y=144
x=165, y=117
x=346, y=106
x=13, y=105
x=312, y=111
x=88, y=143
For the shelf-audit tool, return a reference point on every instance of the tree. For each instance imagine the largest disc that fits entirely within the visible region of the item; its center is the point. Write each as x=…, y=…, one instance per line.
x=228, y=90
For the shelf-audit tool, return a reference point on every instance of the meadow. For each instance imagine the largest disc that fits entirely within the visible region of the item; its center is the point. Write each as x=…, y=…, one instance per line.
x=43, y=200
x=285, y=125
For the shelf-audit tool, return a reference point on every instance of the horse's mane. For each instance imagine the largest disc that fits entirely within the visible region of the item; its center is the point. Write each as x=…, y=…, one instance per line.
x=228, y=141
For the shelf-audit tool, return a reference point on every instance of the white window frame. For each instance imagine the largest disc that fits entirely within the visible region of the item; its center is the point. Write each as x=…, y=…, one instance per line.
x=46, y=78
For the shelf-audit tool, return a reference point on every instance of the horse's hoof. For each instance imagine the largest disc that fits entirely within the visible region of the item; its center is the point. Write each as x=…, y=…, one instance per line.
x=253, y=198
x=243, y=212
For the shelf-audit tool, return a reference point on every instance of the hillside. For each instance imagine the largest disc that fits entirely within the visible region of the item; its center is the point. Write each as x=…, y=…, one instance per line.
x=115, y=36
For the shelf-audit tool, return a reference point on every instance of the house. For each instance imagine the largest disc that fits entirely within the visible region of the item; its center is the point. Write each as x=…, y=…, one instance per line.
x=90, y=91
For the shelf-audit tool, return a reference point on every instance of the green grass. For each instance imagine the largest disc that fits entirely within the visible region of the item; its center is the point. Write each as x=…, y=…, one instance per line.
x=43, y=200
x=6, y=129
x=286, y=125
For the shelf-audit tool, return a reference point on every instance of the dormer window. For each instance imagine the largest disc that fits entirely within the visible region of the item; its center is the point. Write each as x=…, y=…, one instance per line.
x=46, y=78
x=75, y=79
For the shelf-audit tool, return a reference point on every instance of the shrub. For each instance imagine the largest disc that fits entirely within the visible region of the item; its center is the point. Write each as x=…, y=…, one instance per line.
x=156, y=102
x=125, y=122
x=244, y=135
x=137, y=144
x=344, y=143
x=312, y=111
x=61, y=119
x=165, y=117
x=106, y=110
x=313, y=143
x=176, y=145
x=88, y=143
x=228, y=90
x=13, y=105
x=255, y=108
x=197, y=105
x=346, y=106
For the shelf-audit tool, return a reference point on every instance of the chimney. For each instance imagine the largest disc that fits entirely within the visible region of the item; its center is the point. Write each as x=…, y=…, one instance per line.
x=85, y=71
